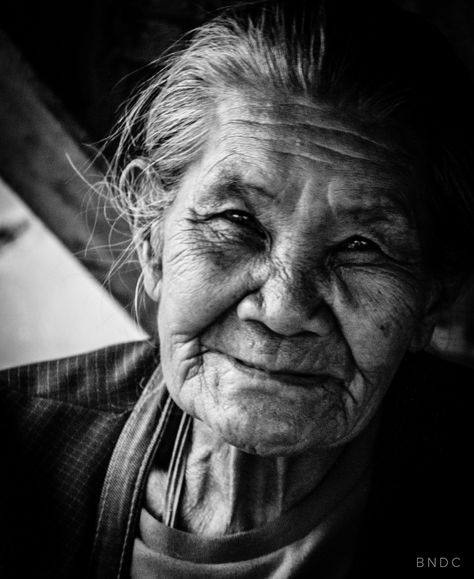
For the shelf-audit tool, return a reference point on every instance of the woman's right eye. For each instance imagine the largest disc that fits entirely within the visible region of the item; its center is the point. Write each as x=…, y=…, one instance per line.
x=238, y=216
x=242, y=219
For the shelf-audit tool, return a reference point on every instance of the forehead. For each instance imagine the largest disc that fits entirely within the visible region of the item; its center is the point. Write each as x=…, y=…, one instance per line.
x=289, y=149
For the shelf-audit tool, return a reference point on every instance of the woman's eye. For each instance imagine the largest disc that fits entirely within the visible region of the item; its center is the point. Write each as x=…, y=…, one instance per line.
x=239, y=217
x=360, y=244
x=245, y=221
x=356, y=251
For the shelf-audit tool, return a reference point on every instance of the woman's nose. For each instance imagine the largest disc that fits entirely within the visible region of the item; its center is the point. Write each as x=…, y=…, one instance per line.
x=288, y=306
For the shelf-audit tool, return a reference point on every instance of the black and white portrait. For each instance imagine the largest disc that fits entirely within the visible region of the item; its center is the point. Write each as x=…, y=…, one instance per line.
x=237, y=293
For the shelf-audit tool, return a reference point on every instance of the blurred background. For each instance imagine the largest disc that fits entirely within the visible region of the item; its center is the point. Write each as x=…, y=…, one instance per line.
x=65, y=71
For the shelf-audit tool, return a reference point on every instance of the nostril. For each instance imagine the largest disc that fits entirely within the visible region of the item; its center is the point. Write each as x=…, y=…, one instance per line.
x=249, y=307
x=286, y=315
x=322, y=321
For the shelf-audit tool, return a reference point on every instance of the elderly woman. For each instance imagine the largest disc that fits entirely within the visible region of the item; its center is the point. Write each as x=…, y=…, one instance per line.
x=299, y=188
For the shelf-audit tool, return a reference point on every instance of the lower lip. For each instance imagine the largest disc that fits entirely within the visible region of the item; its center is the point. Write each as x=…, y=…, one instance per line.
x=288, y=379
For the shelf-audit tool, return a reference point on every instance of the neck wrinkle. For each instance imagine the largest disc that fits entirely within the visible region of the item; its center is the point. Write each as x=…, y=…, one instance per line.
x=228, y=491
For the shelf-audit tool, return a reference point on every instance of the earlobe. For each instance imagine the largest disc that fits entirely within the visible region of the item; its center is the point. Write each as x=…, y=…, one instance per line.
x=424, y=331
x=422, y=336
x=151, y=269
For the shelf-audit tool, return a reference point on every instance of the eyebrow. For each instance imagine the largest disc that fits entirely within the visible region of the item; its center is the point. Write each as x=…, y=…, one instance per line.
x=373, y=204
x=226, y=186
x=392, y=214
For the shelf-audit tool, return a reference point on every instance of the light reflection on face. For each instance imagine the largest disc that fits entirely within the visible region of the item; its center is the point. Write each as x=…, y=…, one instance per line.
x=291, y=285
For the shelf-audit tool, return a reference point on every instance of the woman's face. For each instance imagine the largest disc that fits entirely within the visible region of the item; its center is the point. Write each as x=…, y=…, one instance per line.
x=291, y=281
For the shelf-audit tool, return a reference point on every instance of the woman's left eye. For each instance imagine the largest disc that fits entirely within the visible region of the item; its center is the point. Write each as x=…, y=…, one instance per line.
x=360, y=244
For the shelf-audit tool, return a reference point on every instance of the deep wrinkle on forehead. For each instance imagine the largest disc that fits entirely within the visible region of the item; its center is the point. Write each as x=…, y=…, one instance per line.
x=336, y=138
x=309, y=133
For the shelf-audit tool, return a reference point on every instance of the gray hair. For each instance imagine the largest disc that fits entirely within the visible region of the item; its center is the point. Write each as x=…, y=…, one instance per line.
x=397, y=73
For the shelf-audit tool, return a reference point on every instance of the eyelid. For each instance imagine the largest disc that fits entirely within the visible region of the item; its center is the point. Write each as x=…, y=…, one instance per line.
x=240, y=212
x=216, y=206
x=249, y=221
x=371, y=244
x=375, y=247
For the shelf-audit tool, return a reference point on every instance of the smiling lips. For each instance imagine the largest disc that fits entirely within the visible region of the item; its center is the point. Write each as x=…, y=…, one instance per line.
x=282, y=373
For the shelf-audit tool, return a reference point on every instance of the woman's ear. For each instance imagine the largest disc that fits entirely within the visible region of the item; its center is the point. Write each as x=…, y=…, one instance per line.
x=137, y=176
x=151, y=267
x=424, y=332
x=438, y=302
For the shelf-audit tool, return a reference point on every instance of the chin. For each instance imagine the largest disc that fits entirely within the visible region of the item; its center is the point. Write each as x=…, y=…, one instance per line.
x=266, y=448
x=266, y=437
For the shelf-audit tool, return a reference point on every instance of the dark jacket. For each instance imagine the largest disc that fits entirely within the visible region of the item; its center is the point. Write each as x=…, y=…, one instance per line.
x=79, y=435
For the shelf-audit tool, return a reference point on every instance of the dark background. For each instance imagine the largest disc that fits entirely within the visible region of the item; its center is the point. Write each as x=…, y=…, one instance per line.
x=92, y=53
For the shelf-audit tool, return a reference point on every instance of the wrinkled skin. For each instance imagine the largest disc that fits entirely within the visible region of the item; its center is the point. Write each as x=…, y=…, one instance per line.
x=291, y=281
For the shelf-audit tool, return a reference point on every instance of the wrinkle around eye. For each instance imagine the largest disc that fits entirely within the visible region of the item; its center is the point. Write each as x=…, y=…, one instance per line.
x=220, y=228
x=391, y=276
x=377, y=252
x=211, y=253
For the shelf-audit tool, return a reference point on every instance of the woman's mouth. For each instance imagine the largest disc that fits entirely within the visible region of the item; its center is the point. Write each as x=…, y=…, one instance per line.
x=283, y=375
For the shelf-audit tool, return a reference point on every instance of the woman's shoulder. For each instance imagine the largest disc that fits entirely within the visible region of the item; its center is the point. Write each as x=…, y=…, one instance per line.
x=110, y=378
x=60, y=421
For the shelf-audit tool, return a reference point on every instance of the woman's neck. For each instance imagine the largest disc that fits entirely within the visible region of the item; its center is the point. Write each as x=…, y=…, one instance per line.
x=227, y=490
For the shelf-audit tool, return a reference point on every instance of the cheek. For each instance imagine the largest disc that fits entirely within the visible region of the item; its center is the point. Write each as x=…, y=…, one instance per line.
x=378, y=313
x=200, y=282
